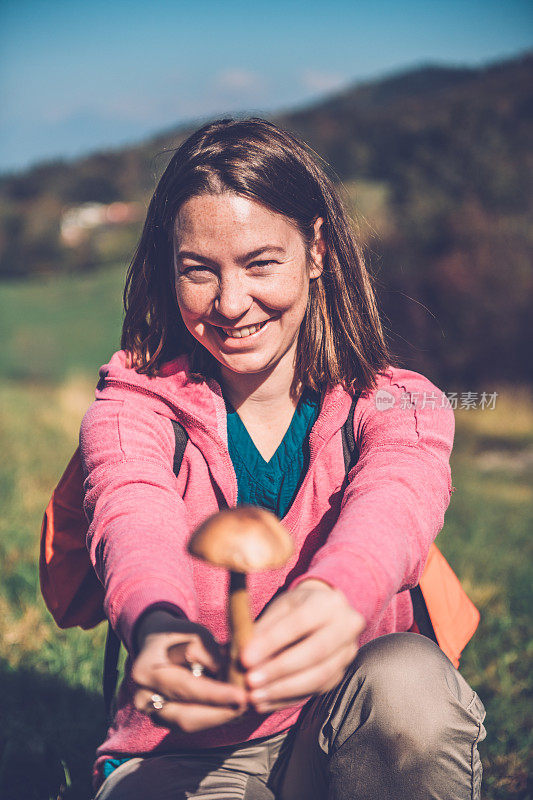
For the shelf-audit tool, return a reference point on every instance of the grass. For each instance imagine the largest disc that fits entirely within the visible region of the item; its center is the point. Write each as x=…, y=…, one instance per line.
x=55, y=337
x=60, y=326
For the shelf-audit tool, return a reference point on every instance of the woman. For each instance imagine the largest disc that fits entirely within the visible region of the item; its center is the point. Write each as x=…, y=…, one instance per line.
x=251, y=320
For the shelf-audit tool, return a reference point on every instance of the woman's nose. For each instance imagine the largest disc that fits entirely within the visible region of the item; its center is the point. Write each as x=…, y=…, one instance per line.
x=232, y=299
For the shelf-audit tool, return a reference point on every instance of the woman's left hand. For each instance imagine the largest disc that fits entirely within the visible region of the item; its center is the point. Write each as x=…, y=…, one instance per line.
x=301, y=646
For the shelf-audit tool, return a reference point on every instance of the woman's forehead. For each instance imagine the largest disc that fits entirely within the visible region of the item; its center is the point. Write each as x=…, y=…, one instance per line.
x=220, y=219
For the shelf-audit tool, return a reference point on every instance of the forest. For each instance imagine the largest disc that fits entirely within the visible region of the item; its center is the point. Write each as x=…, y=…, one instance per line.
x=436, y=167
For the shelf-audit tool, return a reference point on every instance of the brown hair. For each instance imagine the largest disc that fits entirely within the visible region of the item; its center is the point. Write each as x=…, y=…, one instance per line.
x=341, y=340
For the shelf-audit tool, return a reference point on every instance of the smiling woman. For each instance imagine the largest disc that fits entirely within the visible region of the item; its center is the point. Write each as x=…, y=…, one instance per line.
x=246, y=313
x=251, y=321
x=234, y=174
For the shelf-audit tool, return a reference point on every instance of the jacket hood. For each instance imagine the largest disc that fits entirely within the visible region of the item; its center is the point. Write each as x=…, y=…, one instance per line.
x=198, y=404
x=174, y=393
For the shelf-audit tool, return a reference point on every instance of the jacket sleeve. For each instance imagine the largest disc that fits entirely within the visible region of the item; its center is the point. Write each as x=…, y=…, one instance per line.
x=394, y=503
x=138, y=525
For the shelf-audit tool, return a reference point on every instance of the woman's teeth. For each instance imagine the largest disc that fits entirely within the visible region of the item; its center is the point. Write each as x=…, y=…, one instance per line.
x=240, y=333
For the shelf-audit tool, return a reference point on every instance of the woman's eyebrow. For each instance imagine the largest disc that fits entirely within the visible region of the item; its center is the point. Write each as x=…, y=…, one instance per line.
x=271, y=248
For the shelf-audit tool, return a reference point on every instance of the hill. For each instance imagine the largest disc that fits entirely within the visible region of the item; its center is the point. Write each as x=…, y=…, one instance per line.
x=436, y=166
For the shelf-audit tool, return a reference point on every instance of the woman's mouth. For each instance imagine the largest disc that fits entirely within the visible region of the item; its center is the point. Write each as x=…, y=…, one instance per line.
x=245, y=332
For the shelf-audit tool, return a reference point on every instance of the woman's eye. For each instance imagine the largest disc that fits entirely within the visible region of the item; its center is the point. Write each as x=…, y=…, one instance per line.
x=196, y=268
x=262, y=263
x=201, y=269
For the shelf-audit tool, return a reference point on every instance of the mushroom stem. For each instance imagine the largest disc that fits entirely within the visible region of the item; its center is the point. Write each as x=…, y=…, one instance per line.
x=240, y=622
x=245, y=539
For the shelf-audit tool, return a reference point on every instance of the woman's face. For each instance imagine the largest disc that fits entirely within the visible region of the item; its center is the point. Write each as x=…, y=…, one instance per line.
x=242, y=280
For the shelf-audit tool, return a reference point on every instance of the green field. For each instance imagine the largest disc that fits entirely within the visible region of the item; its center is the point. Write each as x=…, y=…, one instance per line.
x=55, y=335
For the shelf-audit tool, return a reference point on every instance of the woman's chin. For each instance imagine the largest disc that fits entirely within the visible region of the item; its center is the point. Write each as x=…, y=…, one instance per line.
x=249, y=364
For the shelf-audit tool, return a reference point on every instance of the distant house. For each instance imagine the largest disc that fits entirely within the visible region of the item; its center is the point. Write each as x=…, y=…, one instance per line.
x=77, y=222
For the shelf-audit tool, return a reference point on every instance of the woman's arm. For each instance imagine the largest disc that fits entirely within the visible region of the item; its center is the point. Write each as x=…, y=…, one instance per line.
x=137, y=541
x=138, y=526
x=398, y=492
x=392, y=509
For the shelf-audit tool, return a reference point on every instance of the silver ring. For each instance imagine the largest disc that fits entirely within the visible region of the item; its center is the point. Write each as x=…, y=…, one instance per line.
x=196, y=668
x=157, y=702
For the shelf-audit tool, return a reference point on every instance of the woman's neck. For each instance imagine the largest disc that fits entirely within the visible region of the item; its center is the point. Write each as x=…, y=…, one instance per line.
x=265, y=404
x=269, y=396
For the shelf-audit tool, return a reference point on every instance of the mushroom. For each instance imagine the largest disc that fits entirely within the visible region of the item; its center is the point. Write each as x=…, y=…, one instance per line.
x=244, y=539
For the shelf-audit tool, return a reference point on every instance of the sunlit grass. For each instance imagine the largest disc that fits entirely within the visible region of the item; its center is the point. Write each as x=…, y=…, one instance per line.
x=509, y=422
x=55, y=327
x=487, y=537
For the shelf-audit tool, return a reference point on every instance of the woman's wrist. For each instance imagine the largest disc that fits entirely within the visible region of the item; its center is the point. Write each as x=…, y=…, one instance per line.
x=158, y=618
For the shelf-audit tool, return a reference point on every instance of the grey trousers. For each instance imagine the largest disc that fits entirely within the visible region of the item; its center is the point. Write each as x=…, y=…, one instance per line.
x=403, y=724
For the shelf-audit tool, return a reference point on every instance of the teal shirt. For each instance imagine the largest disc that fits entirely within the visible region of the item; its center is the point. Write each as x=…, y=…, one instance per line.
x=273, y=484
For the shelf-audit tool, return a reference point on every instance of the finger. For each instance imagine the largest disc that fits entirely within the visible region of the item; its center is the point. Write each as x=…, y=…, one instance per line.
x=315, y=679
x=273, y=613
x=187, y=717
x=180, y=649
x=193, y=652
x=286, y=603
x=296, y=614
x=320, y=597
x=310, y=650
x=304, y=612
x=269, y=639
x=194, y=649
x=179, y=684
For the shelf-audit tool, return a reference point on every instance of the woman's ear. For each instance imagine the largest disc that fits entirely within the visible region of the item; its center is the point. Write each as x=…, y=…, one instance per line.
x=318, y=250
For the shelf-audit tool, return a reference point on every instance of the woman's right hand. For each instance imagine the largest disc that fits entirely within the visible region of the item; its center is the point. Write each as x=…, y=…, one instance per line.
x=191, y=703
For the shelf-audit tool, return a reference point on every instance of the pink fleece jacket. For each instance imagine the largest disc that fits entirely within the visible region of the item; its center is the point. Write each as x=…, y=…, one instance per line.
x=370, y=541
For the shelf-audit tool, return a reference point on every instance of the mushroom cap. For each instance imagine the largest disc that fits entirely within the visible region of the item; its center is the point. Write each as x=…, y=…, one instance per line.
x=243, y=539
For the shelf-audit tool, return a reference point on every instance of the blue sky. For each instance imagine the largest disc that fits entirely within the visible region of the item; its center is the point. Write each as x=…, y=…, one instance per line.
x=76, y=76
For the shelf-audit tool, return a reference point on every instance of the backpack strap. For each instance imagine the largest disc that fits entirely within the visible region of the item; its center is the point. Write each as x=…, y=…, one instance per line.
x=112, y=644
x=181, y=437
x=349, y=445
x=421, y=614
x=110, y=677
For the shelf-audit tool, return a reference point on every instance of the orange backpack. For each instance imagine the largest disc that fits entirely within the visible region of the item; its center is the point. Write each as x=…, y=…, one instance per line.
x=75, y=596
